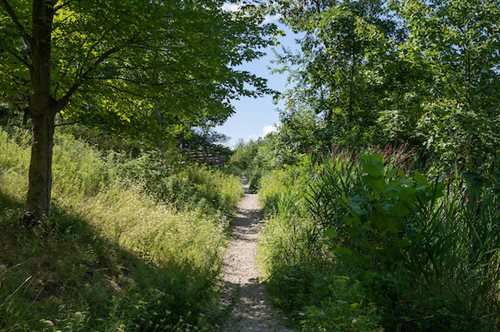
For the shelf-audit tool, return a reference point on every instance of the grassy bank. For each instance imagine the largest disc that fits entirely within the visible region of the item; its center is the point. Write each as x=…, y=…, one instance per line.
x=359, y=245
x=123, y=250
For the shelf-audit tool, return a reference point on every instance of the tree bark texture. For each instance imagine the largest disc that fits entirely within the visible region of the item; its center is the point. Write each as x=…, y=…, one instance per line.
x=43, y=111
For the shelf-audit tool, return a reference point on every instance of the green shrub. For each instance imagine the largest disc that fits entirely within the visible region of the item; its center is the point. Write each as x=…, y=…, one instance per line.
x=445, y=244
x=184, y=186
x=425, y=252
x=273, y=185
x=313, y=288
x=253, y=159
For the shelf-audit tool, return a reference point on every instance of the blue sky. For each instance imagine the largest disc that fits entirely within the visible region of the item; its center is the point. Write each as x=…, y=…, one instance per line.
x=255, y=117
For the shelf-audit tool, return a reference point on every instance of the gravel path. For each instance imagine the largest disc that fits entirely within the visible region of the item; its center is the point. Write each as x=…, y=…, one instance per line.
x=251, y=311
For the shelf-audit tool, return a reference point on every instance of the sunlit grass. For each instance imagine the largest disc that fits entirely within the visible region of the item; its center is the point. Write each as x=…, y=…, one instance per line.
x=111, y=256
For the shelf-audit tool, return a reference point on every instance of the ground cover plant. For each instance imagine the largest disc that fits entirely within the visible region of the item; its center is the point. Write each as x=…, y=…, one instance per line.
x=113, y=256
x=364, y=246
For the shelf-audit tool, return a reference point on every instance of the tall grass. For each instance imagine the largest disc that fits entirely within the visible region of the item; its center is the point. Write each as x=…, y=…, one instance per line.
x=184, y=185
x=418, y=255
x=115, y=254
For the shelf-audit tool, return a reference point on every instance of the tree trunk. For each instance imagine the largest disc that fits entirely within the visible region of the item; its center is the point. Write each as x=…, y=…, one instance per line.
x=40, y=172
x=43, y=111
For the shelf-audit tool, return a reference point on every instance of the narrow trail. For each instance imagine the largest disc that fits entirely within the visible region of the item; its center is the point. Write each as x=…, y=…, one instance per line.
x=252, y=311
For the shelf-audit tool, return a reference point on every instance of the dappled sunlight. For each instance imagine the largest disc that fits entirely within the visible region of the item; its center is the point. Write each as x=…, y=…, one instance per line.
x=243, y=294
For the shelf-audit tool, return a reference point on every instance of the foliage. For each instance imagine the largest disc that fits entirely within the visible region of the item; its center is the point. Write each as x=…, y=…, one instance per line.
x=252, y=159
x=455, y=44
x=315, y=290
x=425, y=253
x=183, y=185
x=344, y=67
x=273, y=184
x=137, y=67
x=415, y=73
x=146, y=69
x=111, y=257
x=301, y=133
x=206, y=142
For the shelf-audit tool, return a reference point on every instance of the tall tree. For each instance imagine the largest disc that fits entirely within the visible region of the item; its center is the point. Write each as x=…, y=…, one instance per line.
x=422, y=73
x=339, y=72
x=122, y=63
x=456, y=44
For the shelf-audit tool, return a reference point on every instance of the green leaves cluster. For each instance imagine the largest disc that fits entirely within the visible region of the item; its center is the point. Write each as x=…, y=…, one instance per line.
x=143, y=69
x=138, y=67
x=375, y=208
x=394, y=229
x=417, y=73
x=415, y=253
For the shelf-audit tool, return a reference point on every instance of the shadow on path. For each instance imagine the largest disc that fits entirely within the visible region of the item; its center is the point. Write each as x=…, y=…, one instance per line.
x=242, y=287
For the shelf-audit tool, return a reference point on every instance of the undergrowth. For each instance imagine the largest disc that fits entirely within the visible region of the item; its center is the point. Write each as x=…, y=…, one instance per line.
x=119, y=252
x=359, y=245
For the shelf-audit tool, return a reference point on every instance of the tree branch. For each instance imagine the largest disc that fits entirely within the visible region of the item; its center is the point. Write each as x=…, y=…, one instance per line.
x=124, y=91
x=61, y=103
x=71, y=60
x=18, y=57
x=10, y=11
x=66, y=123
x=64, y=4
x=101, y=38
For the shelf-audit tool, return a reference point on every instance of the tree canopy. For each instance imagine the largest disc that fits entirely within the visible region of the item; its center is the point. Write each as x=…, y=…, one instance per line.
x=121, y=65
x=417, y=73
x=144, y=68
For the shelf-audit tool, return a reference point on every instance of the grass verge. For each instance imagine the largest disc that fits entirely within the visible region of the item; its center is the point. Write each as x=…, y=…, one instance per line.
x=112, y=256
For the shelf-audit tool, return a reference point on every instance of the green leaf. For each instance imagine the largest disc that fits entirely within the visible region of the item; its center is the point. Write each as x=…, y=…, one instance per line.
x=399, y=210
x=356, y=204
x=420, y=179
x=343, y=251
x=331, y=233
x=376, y=183
x=373, y=165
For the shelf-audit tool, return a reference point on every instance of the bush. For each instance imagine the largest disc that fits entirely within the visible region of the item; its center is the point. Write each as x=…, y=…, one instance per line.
x=184, y=186
x=252, y=160
x=426, y=252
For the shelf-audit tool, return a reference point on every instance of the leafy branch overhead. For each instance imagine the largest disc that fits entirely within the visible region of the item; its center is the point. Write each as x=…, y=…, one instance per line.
x=127, y=60
x=415, y=72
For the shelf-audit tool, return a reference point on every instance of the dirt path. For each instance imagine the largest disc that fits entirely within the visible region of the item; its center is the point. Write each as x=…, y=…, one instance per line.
x=251, y=311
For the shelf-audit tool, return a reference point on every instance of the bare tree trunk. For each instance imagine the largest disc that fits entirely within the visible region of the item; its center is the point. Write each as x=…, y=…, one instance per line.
x=43, y=110
x=40, y=172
